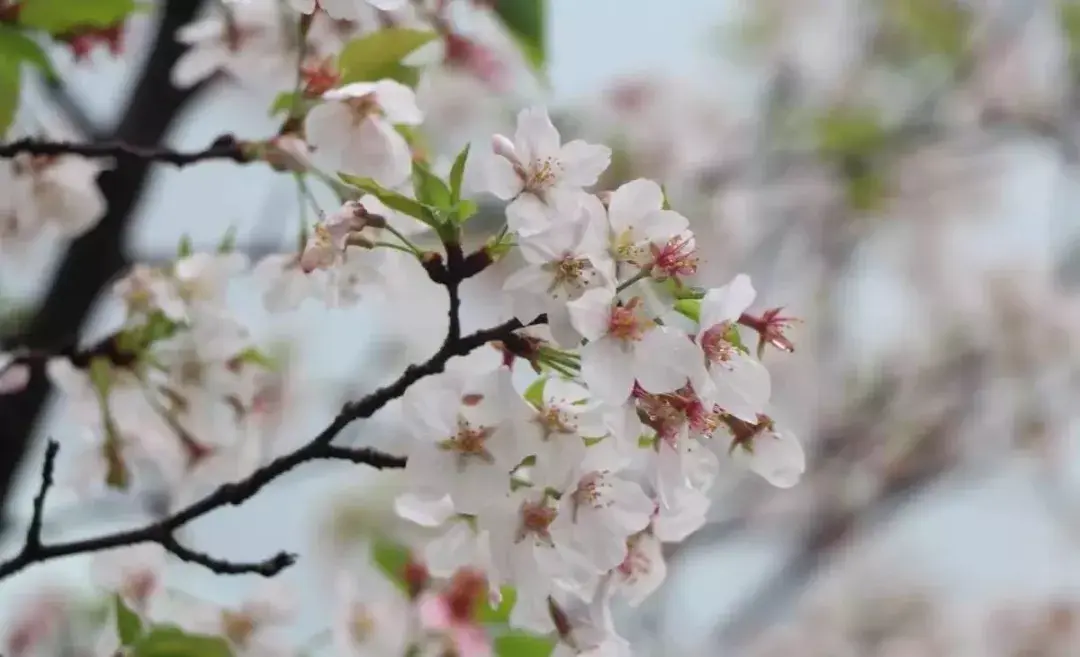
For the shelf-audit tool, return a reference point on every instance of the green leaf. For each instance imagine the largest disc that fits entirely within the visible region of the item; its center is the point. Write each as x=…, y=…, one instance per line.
x=457, y=174
x=429, y=188
x=378, y=56
x=16, y=46
x=464, y=210
x=171, y=641
x=938, y=26
x=252, y=356
x=690, y=308
x=10, y=86
x=534, y=394
x=525, y=20
x=500, y=615
x=59, y=16
x=283, y=102
x=842, y=132
x=185, y=248
x=128, y=624
x=228, y=241
x=391, y=558
x=523, y=644
x=392, y=199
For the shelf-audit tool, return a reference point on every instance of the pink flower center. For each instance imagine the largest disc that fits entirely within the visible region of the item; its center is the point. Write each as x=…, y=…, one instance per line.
x=535, y=519
x=676, y=258
x=626, y=323
x=715, y=344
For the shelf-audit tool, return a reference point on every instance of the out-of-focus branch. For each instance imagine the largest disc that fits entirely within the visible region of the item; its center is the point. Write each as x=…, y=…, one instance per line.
x=928, y=458
x=96, y=257
x=224, y=147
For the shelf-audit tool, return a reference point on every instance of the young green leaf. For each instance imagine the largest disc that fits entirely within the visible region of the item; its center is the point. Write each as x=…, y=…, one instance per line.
x=457, y=174
x=128, y=624
x=59, y=16
x=534, y=394
x=228, y=241
x=378, y=55
x=429, y=188
x=10, y=86
x=464, y=210
x=500, y=615
x=517, y=643
x=690, y=308
x=393, y=200
x=16, y=46
x=172, y=641
x=184, y=249
x=525, y=20
x=391, y=559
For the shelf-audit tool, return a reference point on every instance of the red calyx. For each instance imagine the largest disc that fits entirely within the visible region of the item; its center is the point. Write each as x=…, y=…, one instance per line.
x=82, y=40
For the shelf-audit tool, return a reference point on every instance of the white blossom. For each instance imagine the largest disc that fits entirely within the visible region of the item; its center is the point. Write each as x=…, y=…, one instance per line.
x=536, y=168
x=352, y=130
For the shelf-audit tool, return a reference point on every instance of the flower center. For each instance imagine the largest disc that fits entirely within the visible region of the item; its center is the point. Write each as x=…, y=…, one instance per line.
x=554, y=421
x=676, y=258
x=626, y=249
x=541, y=175
x=590, y=492
x=138, y=586
x=535, y=519
x=626, y=323
x=470, y=443
x=714, y=342
x=237, y=626
x=363, y=107
x=361, y=623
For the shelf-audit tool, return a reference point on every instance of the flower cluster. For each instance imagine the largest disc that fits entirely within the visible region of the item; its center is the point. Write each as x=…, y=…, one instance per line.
x=556, y=484
x=180, y=393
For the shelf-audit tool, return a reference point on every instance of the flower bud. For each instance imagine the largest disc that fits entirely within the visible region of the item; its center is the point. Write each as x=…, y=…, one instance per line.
x=504, y=148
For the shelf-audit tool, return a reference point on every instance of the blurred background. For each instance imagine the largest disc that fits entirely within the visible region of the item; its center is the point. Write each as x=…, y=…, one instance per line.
x=899, y=174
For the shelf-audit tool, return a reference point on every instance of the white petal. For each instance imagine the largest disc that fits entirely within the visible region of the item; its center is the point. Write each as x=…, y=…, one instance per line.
x=583, y=163
x=196, y=65
x=590, y=313
x=426, y=511
x=662, y=225
x=536, y=137
x=632, y=201
x=348, y=91
x=500, y=178
x=777, y=457
x=741, y=386
x=378, y=151
x=527, y=214
x=399, y=103
x=725, y=304
x=608, y=370
x=665, y=359
x=328, y=127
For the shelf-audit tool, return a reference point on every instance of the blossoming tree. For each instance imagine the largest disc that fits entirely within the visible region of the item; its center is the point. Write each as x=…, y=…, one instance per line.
x=550, y=454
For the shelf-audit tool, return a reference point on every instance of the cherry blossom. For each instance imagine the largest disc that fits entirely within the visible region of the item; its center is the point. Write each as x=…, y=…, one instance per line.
x=353, y=130
x=626, y=346
x=740, y=383
x=536, y=168
x=463, y=444
x=562, y=262
x=775, y=454
x=345, y=9
x=43, y=192
x=248, y=44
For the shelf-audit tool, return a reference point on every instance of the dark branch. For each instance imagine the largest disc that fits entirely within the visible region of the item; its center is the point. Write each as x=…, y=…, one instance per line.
x=163, y=531
x=97, y=257
x=224, y=148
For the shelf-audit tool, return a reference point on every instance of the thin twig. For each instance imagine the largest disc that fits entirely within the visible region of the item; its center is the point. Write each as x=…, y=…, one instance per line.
x=450, y=275
x=225, y=147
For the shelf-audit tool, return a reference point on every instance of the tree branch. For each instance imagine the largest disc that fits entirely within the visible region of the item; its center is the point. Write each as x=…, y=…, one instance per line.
x=223, y=148
x=95, y=258
x=320, y=447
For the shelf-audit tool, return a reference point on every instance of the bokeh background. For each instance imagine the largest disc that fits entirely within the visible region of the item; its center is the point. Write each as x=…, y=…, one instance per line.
x=899, y=174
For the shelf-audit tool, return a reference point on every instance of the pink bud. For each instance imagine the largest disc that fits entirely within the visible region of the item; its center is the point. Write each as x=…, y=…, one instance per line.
x=505, y=148
x=14, y=378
